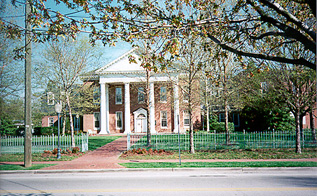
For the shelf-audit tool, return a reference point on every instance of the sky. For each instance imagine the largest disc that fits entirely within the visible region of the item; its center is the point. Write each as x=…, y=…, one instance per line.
x=16, y=14
x=109, y=53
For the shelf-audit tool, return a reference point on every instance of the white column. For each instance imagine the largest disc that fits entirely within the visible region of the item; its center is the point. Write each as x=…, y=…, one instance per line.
x=127, y=108
x=152, y=108
x=107, y=108
x=103, y=118
x=176, y=108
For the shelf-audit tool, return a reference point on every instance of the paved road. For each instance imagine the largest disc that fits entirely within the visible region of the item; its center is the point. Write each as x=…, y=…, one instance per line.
x=193, y=182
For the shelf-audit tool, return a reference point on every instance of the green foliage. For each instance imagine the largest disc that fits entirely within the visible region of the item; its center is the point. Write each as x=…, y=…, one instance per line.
x=45, y=130
x=220, y=126
x=7, y=128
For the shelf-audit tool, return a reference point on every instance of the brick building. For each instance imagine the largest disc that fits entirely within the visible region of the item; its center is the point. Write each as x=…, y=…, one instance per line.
x=121, y=95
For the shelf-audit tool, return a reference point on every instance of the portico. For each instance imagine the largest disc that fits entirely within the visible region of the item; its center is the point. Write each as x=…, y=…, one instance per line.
x=123, y=80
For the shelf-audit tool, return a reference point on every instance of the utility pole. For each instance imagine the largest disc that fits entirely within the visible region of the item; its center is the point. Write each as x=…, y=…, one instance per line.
x=28, y=92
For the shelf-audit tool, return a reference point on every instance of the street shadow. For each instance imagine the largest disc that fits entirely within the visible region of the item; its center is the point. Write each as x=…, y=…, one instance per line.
x=30, y=194
x=299, y=181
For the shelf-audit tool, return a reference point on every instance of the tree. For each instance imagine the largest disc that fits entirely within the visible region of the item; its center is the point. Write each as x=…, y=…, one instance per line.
x=296, y=85
x=65, y=61
x=261, y=106
x=226, y=87
x=187, y=57
x=255, y=28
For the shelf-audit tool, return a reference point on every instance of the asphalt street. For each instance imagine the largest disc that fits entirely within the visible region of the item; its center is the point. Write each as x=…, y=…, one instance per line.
x=155, y=182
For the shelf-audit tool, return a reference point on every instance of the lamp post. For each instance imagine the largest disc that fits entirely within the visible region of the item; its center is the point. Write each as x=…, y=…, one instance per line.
x=58, y=110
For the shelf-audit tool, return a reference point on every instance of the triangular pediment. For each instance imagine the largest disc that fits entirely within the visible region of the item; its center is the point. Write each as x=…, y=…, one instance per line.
x=122, y=64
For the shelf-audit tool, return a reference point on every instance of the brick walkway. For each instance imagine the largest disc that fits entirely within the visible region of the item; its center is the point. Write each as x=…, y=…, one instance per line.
x=105, y=157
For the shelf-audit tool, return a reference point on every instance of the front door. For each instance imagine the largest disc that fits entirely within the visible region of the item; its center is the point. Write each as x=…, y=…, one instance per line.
x=141, y=124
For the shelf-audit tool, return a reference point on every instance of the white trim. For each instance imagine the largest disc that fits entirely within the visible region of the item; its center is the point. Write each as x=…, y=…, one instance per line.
x=127, y=108
x=127, y=79
x=103, y=109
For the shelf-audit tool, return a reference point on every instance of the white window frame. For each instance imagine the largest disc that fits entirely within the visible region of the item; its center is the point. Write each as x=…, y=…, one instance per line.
x=96, y=120
x=141, y=93
x=121, y=116
x=165, y=119
x=163, y=95
x=263, y=87
x=51, y=121
x=186, y=116
x=117, y=94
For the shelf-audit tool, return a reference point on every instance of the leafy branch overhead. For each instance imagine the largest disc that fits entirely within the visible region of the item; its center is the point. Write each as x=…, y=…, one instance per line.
x=261, y=29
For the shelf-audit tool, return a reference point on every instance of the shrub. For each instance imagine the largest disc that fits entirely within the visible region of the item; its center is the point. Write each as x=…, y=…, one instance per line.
x=220, y=126
x=55, y=151
x=45, y=130
x=75, y=150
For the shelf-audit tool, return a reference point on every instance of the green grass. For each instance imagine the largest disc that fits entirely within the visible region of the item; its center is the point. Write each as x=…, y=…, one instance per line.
x=98, y=141
x=20, y=167
x=220, y=164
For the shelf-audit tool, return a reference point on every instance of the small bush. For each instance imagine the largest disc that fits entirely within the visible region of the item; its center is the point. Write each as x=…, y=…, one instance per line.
x=220, y=126
x=55, y=151
x=75, y=150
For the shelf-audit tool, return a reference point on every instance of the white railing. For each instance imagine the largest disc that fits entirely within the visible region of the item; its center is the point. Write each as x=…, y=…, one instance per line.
x=210, y=141
x=14, y=145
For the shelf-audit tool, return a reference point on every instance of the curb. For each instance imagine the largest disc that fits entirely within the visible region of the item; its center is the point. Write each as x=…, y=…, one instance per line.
x=219, y=169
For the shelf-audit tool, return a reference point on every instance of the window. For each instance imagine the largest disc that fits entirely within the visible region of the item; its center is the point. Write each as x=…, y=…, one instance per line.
x=141, y=95
x=50, y=98
x=222, y=117
x=96, y=95
x=119, y=120
x=50, y=121
x=186, y=97
x=163, y=96
x=97, y=120
x=186, y=118
x=263, y=87
x=163, y=119
x=118, y=95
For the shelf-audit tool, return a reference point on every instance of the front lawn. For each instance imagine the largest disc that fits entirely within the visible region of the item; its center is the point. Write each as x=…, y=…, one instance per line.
x=20, y=167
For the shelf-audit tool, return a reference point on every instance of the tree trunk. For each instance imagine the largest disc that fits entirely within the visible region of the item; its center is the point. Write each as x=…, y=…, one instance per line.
x=64, y=123
x=297, y=122
x=207, y=106
x=226, y=124
x=191, y=135
x=148, y=131
x=312, y=126
x=70, y=120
